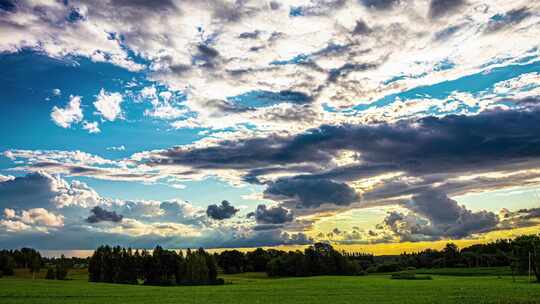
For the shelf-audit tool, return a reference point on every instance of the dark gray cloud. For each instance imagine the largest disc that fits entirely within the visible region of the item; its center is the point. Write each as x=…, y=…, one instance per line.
x=438, y=8
x=142, y=4
x=435, y=216
x=249, y=35
x=433, y=149
x=454, y=143
x=34, y=190
x=361, y=28
x=447, y=32
x=220, y=212
x=529, y=213
x=8, y=5
x=272, y=215
x=99, y=214
x=510, y=18
x=347, y=68
x=443, y=211
x=380, y=4
x=436, y=206
x=206, y=56
x=311, y=193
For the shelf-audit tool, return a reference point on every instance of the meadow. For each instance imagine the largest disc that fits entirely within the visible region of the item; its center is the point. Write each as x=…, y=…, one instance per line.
x=492, y=285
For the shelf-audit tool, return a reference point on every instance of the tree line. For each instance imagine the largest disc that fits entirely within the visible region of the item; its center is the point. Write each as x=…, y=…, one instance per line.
x=516, y=253
x=317, y=259
x=167, y=267
x=160, y=267
x=27, y=258
x=31, y=259
x=322, y=259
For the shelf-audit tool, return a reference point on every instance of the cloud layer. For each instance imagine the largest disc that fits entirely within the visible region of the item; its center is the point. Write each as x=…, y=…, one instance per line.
x=318, y=107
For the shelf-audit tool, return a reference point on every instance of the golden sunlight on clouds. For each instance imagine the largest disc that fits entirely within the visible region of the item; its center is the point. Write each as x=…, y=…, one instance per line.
x=397, y=248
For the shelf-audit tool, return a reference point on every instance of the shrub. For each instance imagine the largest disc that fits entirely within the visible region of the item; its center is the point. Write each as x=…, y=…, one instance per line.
x=386, y=267
x=409, y=275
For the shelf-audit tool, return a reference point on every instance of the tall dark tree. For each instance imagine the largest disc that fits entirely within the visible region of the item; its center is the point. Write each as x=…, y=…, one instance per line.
x=231, y=261
x=34, y=263
x=257, y=259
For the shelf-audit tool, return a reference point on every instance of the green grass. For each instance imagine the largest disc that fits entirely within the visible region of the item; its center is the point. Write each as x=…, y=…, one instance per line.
x=257, y=288
x=467, y=272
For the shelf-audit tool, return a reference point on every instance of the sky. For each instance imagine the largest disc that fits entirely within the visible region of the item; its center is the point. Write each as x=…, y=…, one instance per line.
x=376, y=125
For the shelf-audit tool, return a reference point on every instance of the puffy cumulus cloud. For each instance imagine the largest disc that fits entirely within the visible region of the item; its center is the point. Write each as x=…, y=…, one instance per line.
x=272, y=215
x=14, y=226
x=42, y=190
x=108, y=105
x=91, y=127
x=61, y=29
x=35, y=220
x=72, y=113
x=449, y=219
x=31, y=191
x=220, y=212
x=432, y=215
x=165, y=104
x=48, y=212
x=99, y=214
x=35, y=216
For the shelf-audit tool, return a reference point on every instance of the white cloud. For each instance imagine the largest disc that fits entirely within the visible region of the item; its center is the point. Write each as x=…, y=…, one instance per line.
x=108, y=105
x=117, y=148
x=9, y=213
x=14, y=226
x=72, y=113
x=36, y=216
x=37, y=219
x=342, y=67
x=56, y=92
x=4, y=178
x=178, y=186
x=165, y=111
x=91, y=127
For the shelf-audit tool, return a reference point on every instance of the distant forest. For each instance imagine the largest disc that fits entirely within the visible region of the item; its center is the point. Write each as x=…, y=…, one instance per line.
x=198, y=267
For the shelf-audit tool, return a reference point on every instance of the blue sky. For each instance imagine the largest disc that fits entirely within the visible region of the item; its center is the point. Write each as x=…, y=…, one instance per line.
x=297, y=113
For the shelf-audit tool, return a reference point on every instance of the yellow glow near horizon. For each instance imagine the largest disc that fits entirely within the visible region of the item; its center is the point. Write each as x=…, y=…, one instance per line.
x=376, y=249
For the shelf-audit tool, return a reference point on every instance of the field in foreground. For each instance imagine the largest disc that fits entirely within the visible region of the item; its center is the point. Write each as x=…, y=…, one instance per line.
x=256, y=288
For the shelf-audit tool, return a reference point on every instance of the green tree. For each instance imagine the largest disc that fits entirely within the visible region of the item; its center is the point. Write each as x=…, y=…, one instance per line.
x=61, y=269
x=34, y=263
x=527, y=252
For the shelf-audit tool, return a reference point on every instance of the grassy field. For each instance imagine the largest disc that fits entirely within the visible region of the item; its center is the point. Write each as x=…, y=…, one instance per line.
x=257, y=288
